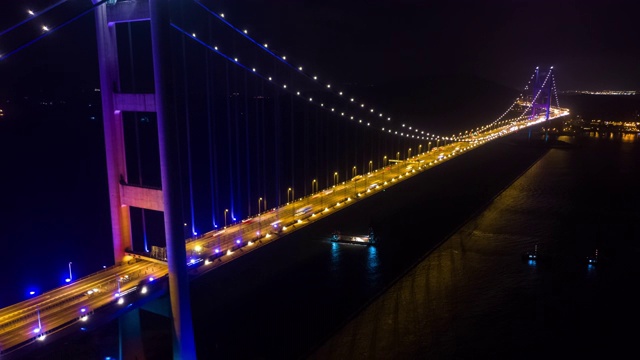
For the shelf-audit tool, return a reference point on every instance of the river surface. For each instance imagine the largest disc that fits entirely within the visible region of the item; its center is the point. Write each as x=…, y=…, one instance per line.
x=475, y=298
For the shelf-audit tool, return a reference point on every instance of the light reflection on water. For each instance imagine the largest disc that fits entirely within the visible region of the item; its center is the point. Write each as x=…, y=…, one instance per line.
x=630, y=137
x=372, y=263
x=624, y=137
x=335, y=256
x=373, y=266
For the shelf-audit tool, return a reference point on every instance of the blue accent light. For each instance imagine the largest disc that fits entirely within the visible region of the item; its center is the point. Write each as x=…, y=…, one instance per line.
x=237, y=241
x=217, y=250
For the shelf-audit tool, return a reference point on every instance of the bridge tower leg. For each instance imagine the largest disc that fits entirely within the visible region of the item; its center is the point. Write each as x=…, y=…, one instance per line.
x=113, y=133
x=121, y=194
x=129, y=331
x=541, y=97
x=179, y=293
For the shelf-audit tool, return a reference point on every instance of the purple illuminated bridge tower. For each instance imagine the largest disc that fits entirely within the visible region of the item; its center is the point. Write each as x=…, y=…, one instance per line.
x=541, y=96
x=121, y=195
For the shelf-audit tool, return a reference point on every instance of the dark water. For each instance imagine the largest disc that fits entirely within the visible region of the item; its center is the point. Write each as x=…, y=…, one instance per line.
x=474, y=298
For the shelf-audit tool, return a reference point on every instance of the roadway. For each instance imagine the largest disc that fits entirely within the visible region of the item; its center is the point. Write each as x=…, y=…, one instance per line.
x=32, y=320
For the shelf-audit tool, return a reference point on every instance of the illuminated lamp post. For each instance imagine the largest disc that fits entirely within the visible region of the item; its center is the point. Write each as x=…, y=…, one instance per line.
x=354, y=172
x=70, y=275
x=259, y=217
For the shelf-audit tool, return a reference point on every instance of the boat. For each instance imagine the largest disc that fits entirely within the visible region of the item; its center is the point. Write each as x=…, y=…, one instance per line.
x=532, y=255
x=593, y=260
x=339, y=237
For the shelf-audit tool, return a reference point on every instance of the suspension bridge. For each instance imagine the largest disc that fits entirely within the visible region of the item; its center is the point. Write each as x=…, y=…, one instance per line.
x=225, y=145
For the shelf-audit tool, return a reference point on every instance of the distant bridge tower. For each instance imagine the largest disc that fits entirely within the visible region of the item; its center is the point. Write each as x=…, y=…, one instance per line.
x=541, y=97
x=121, y=194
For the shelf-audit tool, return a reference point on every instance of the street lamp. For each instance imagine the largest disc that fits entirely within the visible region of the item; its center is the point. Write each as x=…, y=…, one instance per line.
x=39, y=328
x=429, y=147
x=335, y=178
x=314, y=186
x=419, y=149
x=384, y=161
x=293, y=209
x=370, y=166
x=118, y=283
x=259, y=217
x=408, y=157
x=355, y=181
x=398, y=163
x=70, y=275
x=225, y=217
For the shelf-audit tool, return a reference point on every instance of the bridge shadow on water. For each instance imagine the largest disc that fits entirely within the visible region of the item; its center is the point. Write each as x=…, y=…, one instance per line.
x=284, y=300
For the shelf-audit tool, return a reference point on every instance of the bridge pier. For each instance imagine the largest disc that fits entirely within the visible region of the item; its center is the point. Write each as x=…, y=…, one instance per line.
x=130, y=336
x=130, y=344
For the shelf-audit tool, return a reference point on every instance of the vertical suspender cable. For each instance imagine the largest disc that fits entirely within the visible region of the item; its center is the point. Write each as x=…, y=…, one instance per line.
x=247, y=143
x=259, y=143
x=237, y=137
x=187, y=121
x=213, y=156
x=293, y=137
x=277, y=144
x=230, y=170
x=306, y=148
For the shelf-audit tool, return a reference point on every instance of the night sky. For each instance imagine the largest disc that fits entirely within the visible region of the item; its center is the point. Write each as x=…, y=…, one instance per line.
x=591, y=44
